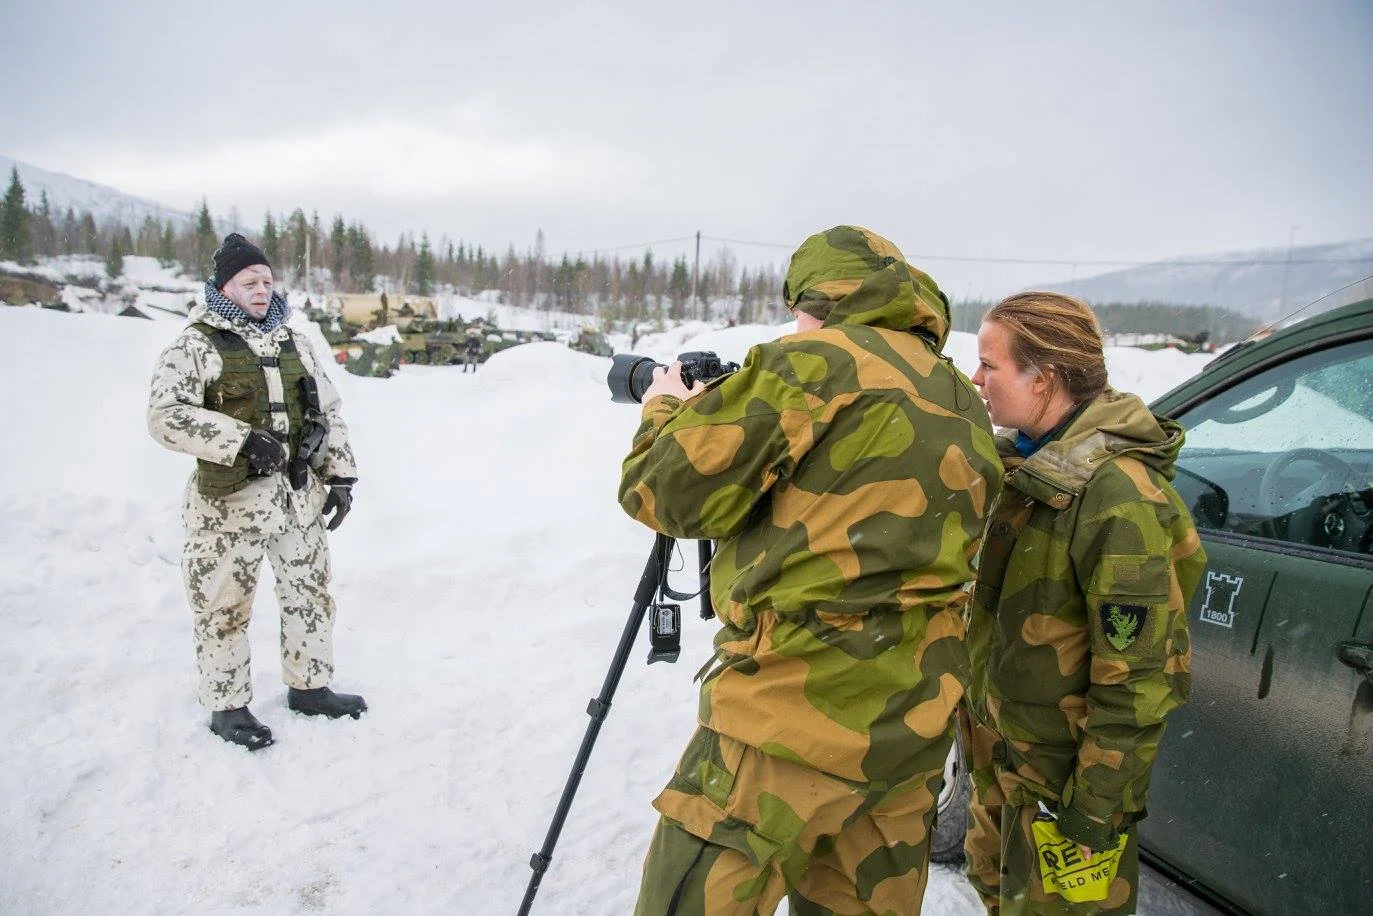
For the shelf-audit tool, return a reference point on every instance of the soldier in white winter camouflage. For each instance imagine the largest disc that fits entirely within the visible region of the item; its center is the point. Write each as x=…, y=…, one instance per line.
x=246, y=397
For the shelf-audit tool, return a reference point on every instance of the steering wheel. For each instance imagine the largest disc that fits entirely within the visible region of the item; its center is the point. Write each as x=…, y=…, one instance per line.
x=1275, y=501
x=1277, y=395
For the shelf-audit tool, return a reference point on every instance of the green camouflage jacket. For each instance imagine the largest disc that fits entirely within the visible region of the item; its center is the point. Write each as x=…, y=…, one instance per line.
x=846, y=474
x=1078, y=631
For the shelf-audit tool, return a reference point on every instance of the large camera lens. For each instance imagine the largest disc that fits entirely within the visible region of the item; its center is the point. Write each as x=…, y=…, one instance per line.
x=629, y=377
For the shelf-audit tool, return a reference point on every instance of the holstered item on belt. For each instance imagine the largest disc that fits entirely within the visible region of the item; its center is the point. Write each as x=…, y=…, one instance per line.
x=314, y=436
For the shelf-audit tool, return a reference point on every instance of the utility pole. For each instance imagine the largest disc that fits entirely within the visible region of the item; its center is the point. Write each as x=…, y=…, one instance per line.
x=696, y=273
x=307, y=270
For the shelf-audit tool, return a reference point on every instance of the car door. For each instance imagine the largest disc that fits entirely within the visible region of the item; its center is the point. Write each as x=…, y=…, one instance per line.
x=1263, y=788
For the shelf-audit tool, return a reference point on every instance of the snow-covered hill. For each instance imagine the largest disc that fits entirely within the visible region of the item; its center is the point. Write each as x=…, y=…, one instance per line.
x=106, y=204
x=1265, y=284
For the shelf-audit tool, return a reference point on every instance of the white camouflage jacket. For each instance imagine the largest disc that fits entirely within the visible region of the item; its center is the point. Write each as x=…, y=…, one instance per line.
x=178, y=419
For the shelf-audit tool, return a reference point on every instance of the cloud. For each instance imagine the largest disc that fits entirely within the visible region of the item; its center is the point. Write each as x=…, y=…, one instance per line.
x=465, y=155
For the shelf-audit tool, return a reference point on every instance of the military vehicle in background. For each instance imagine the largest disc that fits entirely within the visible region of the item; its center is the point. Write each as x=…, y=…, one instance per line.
x=434, y=343
x=420, y=336
x=377, y=310
x=364, y=357
x=593, y=342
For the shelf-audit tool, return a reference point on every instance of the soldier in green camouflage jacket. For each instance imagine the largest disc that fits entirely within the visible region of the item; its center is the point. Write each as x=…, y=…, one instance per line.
x=846, y=472
x=1078, y=630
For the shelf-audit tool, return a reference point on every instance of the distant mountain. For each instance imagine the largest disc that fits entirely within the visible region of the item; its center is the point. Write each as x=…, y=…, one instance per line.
x=105, y=204
x=1262, y=284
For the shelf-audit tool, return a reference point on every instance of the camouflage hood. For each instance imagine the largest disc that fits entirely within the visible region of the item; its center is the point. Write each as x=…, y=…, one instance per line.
x=849, y=275
x=1113, y=424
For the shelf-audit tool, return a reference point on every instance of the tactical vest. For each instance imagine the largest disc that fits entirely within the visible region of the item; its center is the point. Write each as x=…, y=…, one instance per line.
x=241, y=392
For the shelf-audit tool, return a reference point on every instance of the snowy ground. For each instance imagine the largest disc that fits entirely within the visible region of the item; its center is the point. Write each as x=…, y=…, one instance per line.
x=482, y=579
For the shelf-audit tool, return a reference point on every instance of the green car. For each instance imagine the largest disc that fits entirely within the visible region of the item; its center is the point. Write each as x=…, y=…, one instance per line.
x=1262, y=797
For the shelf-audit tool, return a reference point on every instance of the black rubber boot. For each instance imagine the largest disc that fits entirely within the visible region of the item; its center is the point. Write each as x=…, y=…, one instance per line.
x=239, y=726
x=321, y=701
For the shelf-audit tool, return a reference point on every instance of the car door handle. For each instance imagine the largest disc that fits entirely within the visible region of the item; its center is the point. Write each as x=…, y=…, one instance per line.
x=1357, y=655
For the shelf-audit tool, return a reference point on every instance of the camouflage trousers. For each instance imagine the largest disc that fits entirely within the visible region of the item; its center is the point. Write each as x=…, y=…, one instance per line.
x=1002, y=863
x=220, y=571
x=742, y=829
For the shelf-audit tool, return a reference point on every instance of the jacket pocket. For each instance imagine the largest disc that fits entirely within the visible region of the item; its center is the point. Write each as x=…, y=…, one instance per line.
x=702, y=796
x=1127, y=604
x=237, y=399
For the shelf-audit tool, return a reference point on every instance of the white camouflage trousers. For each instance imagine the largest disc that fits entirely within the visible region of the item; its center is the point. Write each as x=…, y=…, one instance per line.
x=220, y=570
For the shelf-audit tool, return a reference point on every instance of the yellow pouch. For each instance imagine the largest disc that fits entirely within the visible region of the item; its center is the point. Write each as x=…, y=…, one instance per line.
x=1063, y=869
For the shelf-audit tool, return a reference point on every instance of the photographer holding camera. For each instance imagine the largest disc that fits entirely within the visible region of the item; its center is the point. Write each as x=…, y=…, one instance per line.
x=845, y=471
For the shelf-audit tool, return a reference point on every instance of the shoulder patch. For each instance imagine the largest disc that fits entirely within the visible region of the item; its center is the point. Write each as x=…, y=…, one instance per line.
x=1122, y=623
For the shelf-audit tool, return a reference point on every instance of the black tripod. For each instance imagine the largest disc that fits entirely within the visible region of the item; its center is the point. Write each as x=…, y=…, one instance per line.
x=665, y=630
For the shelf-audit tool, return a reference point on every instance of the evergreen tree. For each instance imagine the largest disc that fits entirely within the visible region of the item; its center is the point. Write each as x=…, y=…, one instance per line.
x=338, y=250
x=634, y=298
x=206, y=240
x=424, y=268
x=362, y=258
x=296, y=243
x=114, y=258
x=679, y=289
x=149, y=235
x=66, y=240
x=87, y=236
x=44, y=228
x=15, y=243
x=166, y=249
x=562, y=285
x=271, y=242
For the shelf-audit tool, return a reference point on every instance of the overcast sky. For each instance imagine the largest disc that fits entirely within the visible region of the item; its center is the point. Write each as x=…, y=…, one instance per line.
x=1056, y=131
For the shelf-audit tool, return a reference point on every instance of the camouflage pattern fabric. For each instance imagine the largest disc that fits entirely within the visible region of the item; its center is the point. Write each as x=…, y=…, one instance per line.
x=1000, y=845
x=1078, y=629
x=846, y=474
x=221, y=572
x=252, y=522
x=777, y=828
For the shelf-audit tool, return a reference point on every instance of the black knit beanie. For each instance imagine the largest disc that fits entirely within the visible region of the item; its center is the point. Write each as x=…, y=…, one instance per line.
x=234, y=254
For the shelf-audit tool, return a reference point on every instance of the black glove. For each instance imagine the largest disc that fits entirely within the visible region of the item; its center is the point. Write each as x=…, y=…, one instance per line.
x=340, y=499
x=264, y=453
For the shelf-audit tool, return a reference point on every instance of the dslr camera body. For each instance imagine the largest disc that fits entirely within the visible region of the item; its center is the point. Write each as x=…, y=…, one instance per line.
x=630, y=375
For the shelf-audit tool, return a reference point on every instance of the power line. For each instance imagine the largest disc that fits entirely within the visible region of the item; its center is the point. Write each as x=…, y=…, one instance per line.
x=742, y=242
x=685, y=238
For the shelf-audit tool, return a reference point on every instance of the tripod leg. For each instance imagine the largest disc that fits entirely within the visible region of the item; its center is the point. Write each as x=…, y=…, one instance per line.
x=703, y=552
x=654, y=571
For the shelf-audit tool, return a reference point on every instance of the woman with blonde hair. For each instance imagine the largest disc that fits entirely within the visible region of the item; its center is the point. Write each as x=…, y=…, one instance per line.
x=1078, y=627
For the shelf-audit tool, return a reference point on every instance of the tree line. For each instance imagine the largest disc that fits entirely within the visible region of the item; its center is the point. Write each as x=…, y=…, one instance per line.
x=344, y=257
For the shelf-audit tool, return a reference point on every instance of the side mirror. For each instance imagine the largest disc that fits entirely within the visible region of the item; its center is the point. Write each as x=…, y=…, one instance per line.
x=1358, y=656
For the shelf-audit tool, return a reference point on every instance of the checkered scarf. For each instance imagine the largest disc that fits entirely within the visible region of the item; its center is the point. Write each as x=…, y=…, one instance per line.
x=277, y=310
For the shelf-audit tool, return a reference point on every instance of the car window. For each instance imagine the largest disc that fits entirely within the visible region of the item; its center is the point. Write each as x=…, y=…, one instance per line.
x=1287, y=455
